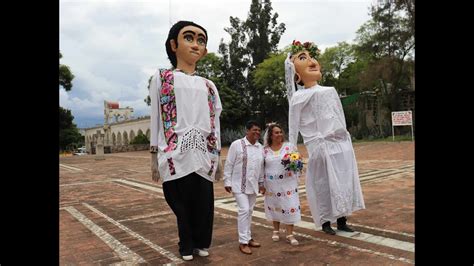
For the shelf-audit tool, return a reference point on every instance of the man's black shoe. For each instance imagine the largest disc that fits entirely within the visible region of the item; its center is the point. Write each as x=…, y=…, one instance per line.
x=341, y=225
x=327, y=228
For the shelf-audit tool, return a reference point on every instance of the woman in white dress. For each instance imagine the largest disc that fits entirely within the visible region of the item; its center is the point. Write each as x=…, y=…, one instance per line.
x=282, y=204
x=332, y=179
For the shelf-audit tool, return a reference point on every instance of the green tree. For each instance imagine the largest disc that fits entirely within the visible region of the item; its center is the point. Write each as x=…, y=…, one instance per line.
x=387, y=42
x=140, y=139
x=262, y=30
x=69, y=136
x=236, y=62
x=65, y=76
x=269, y=81
x=251, y=42
x=350, y=78
x=211, y=67
x=333, y=62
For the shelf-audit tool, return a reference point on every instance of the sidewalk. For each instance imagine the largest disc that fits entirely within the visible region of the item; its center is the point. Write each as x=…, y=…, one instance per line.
x=111, y=212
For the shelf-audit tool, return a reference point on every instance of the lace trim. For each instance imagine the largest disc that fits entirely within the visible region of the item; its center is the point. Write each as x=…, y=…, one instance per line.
x=193, y=139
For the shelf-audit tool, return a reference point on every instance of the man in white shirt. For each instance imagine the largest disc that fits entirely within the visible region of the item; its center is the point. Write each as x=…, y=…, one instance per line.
x=243, y=176
x=185, y=137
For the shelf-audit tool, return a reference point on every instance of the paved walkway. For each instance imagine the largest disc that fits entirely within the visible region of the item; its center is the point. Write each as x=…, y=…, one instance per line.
x=112, y=213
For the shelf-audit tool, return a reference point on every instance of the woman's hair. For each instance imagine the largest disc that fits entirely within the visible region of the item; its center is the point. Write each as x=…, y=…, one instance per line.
x=269, y=133
x=173, y=35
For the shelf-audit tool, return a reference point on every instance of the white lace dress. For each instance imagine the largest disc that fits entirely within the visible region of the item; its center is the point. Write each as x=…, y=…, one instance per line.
x=282, y=203
x=332, y=179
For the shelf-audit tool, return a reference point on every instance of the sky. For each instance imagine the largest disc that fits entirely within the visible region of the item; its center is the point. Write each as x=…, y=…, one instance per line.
x=113, y=47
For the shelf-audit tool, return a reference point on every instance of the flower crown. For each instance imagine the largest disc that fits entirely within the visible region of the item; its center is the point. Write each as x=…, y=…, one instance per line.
x=312, y=48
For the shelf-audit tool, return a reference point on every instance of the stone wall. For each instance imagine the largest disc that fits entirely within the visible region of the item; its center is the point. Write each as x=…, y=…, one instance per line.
x=117, y=136
x=123, y=148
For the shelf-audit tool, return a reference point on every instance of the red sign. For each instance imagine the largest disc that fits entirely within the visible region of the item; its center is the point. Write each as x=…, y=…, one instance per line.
x=113, y=105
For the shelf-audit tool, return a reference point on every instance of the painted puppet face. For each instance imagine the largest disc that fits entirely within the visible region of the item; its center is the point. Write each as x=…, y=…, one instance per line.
x=191, y=45
x=307, y=68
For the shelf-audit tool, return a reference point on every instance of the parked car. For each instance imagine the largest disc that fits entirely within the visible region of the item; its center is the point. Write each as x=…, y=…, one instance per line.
x=81, y=151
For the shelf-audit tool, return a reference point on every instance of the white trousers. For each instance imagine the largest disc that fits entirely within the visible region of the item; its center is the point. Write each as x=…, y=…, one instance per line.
x=245, y=202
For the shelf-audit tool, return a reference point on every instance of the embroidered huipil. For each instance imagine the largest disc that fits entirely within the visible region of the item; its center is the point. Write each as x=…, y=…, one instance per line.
x=185, y=125
x=243, y=168
x=282, y=203
x=332, y=179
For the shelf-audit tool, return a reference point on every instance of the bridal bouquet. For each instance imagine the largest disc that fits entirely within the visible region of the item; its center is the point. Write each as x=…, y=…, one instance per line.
x=292, y=161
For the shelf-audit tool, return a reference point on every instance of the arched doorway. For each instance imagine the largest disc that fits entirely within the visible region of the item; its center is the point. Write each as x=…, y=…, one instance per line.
x=125, y=138
x=119, y=139
x=132, y=135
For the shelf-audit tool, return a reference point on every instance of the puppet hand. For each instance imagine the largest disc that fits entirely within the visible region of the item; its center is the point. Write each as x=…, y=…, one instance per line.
x=155, y=174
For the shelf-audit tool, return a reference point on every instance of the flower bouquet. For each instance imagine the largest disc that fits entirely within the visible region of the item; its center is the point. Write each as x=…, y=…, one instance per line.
x=292, y=161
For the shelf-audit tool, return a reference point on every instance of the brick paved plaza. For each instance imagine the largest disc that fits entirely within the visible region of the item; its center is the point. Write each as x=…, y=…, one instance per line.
x=112, y=213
